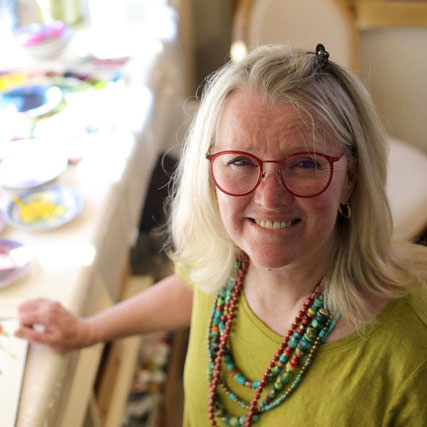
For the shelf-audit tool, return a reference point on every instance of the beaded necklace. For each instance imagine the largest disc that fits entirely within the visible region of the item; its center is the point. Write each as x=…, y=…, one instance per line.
x=286, y=370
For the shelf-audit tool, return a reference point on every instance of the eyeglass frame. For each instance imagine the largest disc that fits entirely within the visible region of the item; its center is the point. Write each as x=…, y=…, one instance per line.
x=330, y=159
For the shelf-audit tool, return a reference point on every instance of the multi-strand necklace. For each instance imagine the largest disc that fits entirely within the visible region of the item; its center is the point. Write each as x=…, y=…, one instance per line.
x=288, y=366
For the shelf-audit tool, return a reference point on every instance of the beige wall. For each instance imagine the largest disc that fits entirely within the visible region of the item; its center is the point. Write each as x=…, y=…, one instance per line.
x=394, y=68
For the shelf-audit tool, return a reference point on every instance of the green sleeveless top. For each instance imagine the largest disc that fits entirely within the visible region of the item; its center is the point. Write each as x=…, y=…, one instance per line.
x=376, y=379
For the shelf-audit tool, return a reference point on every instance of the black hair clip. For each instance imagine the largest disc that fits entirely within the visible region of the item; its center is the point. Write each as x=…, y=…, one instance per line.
x=322, y=57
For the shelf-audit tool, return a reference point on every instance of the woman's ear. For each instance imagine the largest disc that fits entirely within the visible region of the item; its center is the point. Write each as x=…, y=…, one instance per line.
x=348, y=187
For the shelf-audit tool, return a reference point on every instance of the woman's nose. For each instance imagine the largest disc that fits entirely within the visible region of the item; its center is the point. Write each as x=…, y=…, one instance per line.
x=271, y=192
x=271, y=169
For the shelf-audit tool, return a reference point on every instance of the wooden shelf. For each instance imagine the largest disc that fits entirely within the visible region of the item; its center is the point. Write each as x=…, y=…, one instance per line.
x=386, y=14
x=119, y=366
x=173, y=407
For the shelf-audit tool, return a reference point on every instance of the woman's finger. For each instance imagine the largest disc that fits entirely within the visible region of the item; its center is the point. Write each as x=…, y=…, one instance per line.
x=29, y=318
x=45, y=312
x=33, y=304
x=31, y=334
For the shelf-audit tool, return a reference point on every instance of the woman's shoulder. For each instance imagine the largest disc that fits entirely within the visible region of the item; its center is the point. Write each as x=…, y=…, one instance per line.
x=417, y=300
x=403, y=325
x=183, y=271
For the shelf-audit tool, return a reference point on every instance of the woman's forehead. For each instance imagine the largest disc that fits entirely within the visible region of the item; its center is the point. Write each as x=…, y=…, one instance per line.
x=249, y=122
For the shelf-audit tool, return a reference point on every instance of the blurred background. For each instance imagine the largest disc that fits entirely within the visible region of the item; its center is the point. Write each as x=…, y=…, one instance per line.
x=96, y=97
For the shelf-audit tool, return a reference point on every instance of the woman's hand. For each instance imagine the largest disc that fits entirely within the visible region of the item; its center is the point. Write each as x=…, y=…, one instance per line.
x=164, y=306
x=47, y=322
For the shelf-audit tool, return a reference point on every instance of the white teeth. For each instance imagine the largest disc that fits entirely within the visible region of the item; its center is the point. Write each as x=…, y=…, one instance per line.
x=274, y=225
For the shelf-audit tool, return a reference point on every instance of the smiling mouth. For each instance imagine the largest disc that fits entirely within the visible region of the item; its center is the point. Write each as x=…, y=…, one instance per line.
x=275, y=225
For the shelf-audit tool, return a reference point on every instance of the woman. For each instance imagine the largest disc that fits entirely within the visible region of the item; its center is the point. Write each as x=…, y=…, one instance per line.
x=302, y=311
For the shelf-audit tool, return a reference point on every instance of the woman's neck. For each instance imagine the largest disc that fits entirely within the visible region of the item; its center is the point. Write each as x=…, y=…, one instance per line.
x=277, y=295
x=289, y=283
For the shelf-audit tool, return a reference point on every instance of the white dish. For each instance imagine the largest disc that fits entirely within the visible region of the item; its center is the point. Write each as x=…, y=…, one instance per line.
x=48, y=48
x=31, y=163
x=44, y=40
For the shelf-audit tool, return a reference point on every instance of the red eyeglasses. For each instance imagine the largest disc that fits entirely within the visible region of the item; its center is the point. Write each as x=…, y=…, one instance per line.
x=304, y=174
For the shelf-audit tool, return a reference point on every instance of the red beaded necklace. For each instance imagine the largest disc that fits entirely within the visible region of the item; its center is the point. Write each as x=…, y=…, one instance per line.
x=306, y=333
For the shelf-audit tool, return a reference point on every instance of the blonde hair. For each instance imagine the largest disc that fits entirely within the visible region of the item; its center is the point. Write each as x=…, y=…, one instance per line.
x=366, y=262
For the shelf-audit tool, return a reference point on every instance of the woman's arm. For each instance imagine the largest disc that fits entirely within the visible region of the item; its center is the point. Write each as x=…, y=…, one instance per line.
x=164, y=306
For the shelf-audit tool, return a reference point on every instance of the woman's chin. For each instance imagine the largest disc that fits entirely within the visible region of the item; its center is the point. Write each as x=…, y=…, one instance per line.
x=271, y=259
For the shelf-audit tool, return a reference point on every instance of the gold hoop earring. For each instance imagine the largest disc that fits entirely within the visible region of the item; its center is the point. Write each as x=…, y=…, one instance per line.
x=345, y=210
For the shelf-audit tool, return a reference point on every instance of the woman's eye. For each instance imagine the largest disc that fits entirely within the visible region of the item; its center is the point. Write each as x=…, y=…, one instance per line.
x=304, y=163
x=307, y=164
x=241, y=161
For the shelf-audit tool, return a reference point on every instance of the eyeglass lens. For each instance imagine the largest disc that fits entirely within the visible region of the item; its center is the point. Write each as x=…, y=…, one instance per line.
x=304, y=175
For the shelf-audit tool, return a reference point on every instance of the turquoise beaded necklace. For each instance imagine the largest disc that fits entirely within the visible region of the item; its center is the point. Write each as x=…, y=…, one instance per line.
x=286, y=370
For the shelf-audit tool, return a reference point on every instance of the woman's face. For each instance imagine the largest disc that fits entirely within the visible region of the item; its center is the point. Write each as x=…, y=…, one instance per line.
x=272, y=131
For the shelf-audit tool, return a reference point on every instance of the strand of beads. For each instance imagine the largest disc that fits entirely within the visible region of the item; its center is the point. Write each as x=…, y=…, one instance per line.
x=269, y=403
x=301, y=342
x=231, y=307
x=291, y=367
x=217, y=326
x=289, y=341
x=256, y=415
